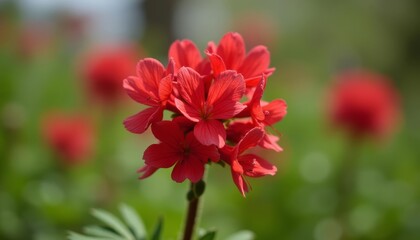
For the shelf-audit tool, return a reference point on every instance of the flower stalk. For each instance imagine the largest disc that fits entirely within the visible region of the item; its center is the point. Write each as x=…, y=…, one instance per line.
x=193, y=197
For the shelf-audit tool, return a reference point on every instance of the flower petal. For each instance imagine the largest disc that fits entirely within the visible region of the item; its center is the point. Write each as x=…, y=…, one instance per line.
x=270, y=142
x=139, y=122
x=150, y=71
x=255, y=166
x=187, y=110
x=229, y=85
x=256, y=62
x=226, y=109
x=217, y=64
x=161, y=155
x=191, y=87
x=146, y=171
x=274, y=111
x=165, y=88
x=240, y=183
x=185, y=54
x=251, y=139
x=237, y=130
x=210, y=132
x=135, y=89
x=232, y=50
x=255, y=103
x=191, y=168
x=204, y=153
x=224, y=95
x=168, y=132
x=253, y=81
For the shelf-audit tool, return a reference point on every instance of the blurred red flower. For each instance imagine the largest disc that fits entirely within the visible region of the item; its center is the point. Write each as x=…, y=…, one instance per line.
x=364, y=103
x=71, y=137
x=104, y=71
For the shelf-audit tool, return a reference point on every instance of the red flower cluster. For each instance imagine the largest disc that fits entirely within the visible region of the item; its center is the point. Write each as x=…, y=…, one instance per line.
x=211, y=121
x=364, y=103
x=71, y=137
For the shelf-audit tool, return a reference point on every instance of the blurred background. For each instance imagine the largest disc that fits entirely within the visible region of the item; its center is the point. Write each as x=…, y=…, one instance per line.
x=64, y=150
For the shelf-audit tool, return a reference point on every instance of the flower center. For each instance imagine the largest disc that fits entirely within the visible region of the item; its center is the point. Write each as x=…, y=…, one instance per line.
x=206, y=110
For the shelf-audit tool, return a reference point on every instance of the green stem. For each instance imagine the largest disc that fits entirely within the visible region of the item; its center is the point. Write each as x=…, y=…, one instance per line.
x=346, y=183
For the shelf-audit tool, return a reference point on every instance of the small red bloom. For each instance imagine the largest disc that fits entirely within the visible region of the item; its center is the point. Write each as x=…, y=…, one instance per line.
x=231, y=50
x=249, y=165
x=104, y=71
x=71, y=137
x=207, y=109
x=188, y=155
x=364, y=103
x=151, y=87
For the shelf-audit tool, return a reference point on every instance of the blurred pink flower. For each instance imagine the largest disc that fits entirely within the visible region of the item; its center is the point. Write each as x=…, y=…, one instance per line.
x=364, y=103
x=71, y=137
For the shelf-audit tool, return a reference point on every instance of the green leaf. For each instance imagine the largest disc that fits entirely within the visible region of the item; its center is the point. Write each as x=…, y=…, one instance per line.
x=76, y=236
x=158, y=230
x=134, y=221
x=101, y=232
x=210, y=235
x=242, y=235
x=113, y=222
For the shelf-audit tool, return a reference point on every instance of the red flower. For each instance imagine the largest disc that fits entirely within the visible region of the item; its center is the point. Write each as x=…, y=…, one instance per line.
x=104, y=71
x=364, y=103
x=188, y=155
x=208, y=117
x=208, y=108
x=71, y=137
x=151, y=87
x=231, y=52
x=249, y=165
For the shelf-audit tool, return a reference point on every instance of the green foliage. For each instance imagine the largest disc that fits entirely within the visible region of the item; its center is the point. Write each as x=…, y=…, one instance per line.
x=210, y=235
x=157, y=233
x=131, y=228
